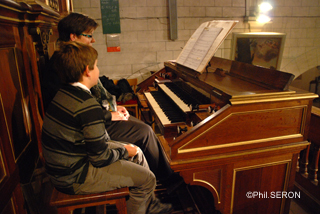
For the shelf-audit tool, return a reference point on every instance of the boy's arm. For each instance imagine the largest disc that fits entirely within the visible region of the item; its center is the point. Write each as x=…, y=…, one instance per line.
x=95, y=138
x=107, y=116
x=100, y=157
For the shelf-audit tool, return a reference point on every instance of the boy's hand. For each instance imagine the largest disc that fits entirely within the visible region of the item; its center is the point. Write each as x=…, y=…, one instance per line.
x=116, y=116
x=132, y=150
x=124, y=111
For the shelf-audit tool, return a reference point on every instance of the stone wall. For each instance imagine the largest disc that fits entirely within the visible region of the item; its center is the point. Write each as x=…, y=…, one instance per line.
x=145, y=42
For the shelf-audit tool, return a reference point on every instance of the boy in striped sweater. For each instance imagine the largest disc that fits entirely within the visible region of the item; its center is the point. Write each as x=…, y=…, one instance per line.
x=80, y=158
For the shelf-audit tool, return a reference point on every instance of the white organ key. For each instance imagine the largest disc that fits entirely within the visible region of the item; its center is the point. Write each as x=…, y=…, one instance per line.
x=161, y=115
x=182, y=105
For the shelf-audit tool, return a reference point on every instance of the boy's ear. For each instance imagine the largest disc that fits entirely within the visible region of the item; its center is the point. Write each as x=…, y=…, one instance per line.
x=73, y=37
x=87, y=71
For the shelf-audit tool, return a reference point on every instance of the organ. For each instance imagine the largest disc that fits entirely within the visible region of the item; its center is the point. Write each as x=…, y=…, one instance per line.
x=241, y=131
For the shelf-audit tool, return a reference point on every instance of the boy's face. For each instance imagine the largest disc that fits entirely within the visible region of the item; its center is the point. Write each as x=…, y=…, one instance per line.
x=95, y=73
x=85, y=38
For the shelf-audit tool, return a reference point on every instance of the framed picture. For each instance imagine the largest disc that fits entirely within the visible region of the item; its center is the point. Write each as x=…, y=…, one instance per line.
x=263, y=49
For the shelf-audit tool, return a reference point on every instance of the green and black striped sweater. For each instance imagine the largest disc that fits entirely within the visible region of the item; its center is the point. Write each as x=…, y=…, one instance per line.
x=73, y=135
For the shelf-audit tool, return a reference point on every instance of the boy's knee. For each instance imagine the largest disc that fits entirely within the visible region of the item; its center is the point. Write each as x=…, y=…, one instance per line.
x=153, y=180
x=147, y=128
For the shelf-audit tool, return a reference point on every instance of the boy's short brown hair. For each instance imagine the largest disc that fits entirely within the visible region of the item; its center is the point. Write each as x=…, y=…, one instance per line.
x=75, y=23
x=72, y=59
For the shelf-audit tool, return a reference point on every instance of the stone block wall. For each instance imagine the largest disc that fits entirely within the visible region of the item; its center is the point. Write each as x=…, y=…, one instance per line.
x=145, y=42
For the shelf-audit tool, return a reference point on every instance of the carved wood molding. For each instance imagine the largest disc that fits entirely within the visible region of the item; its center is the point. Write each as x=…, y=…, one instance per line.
x=32, y=13
x=41, y=37
x=53, y=4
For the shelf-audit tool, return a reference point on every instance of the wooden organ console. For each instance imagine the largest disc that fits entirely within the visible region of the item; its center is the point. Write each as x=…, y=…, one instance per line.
x=235, y=129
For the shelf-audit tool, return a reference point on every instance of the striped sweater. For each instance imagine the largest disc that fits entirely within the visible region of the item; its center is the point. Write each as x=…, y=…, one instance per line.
x=73, y=135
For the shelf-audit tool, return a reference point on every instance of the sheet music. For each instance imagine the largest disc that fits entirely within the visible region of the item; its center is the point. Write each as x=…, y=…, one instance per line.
x=191, y=42
x=204, y=42
x=201, y=47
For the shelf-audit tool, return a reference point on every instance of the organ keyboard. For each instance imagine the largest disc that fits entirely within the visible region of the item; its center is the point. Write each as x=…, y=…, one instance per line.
x=249, y=142
x=182, y=105
x=162, y=116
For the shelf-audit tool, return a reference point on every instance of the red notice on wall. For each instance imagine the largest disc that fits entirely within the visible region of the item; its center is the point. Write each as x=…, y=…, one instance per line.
x=113, y=49
x=113, y=42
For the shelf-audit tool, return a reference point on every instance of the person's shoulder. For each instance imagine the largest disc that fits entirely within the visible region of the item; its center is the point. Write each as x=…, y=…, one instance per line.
x=76, y=91
x=75, y=98
x=79, y=94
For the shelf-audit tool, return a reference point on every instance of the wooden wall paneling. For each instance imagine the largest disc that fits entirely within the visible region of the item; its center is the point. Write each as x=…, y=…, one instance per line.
x=34, y=58
x=8, y=165
x=33, y=84
x=13, y=205
x=15, y=101
x=17, y=120
x=9, y=208
x=9, y=172
x=38, y=44
x=3, y=165
x=31, y=58
x=4, y=169
x=25, y=33
x=19, y=200
x=62, y=7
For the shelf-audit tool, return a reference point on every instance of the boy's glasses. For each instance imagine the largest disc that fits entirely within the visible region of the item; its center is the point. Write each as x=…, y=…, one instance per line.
x=87, y=35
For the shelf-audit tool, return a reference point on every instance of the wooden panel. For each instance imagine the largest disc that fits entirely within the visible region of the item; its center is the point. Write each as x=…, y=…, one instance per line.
x=230, y=178
x=206, y=177
x=9, y=208
x=15, y=130
x=6, y=148
x=238, y=128
x=23, y=49
x=15, y=101
x=264, y=181
x=314, y=126
x=268, y=77
x=3, y=172
x=7, y=38
x=9, y=189
x=3, y=166
x=250, y=126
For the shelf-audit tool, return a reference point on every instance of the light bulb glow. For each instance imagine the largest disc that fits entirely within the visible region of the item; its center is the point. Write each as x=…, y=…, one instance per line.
x=263, y=18
x=265, y=7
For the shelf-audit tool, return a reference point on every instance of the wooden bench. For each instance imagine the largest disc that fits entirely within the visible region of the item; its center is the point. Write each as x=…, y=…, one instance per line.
x=66, y=204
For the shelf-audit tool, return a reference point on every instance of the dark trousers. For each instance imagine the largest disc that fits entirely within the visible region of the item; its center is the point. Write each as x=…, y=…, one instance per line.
x=140, y=134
